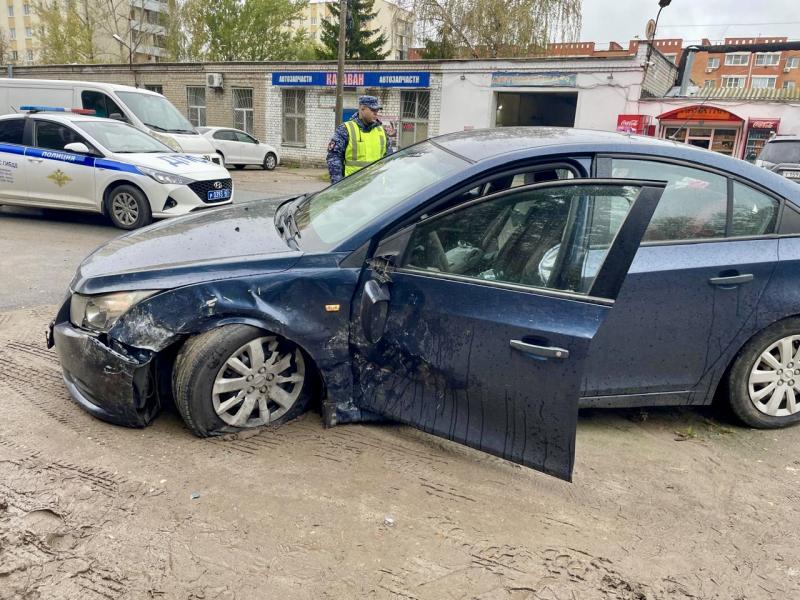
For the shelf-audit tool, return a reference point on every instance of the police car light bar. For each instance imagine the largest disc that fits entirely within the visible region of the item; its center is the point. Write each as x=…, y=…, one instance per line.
x=78, y=111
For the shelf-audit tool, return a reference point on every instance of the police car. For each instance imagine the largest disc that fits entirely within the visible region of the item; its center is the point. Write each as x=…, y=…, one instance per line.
x=55, y=158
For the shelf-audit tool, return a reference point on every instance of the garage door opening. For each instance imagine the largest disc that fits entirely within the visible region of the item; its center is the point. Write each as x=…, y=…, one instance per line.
x=541, y=109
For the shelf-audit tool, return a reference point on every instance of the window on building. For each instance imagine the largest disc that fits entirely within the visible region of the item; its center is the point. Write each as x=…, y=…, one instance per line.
x=10, y=10
x=763, y=82
x=158, y=89
x=26, y=9
x=313, y=20
x=710, y=83
x=29, y=32
x=789, y=85
x=732, y=82
x=12, y=33
x=768, y=59
x=741, y=58
x=713, y=63
x=793, y=62
x=294, y=117
x=14, y=55
x=196, y=101
x=29, y=55
x=414, y=110
x=671, y=57
x=243, y=109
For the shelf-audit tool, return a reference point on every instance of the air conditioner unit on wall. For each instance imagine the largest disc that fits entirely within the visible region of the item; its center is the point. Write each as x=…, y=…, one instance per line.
x=787, y=69
x=709, y=70
x=214, y=80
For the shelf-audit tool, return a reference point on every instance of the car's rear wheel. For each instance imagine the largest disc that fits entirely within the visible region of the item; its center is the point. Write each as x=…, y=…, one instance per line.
x=270, y=162
x=239, y=377
x=128, y=208
x=764, y=382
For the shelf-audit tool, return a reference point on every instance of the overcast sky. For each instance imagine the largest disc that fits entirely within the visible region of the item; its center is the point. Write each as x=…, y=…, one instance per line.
x=692, y=20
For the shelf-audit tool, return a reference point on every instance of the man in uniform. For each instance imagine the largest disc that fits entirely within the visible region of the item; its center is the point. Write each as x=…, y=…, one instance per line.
x=358, y=142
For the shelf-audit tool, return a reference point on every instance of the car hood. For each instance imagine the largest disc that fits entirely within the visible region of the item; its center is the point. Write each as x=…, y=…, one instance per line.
x=194, y=143
x=172, y=162
x=232, y=241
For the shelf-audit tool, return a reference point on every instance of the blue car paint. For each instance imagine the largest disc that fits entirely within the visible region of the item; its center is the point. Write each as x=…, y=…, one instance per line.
x=229, y=266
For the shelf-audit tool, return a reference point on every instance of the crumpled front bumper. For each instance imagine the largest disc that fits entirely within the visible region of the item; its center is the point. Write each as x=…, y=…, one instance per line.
x=111, y=386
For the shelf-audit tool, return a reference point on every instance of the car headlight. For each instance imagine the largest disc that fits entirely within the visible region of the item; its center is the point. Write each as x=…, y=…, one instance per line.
x=163, y=177
x=99, y=313
x=167, y=141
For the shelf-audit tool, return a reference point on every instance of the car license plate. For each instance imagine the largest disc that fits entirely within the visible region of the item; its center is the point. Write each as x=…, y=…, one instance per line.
x=219, y=194
x=792, y=174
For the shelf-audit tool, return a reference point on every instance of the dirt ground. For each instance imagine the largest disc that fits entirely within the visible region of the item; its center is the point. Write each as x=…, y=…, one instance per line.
x=678, y=504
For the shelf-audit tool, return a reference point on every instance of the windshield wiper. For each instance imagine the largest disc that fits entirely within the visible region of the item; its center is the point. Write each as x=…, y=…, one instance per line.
x=156, y=127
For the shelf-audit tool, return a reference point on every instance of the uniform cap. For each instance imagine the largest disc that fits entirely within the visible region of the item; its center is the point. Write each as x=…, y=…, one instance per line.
x=370, y=102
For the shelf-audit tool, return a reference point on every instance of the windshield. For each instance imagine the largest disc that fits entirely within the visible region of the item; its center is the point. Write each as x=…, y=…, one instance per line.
x=156, y=112
x=122, y=138
x=338, y=211
x=781, y=152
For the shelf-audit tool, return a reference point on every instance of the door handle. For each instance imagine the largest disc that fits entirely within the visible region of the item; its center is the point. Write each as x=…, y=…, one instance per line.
x=731, y=280
x=36, y=160
x=545, y=351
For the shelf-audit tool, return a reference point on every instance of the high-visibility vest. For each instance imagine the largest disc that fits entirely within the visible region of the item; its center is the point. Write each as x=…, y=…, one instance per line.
x=363, y=147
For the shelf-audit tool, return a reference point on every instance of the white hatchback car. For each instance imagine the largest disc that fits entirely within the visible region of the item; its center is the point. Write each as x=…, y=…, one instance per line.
x=51, y=158
x=239, y=149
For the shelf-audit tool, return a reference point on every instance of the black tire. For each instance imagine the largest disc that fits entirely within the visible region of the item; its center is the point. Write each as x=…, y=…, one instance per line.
x=738, y=378
x=128, y=207
x=238, y=166
x=270, y=162
x=198, y=364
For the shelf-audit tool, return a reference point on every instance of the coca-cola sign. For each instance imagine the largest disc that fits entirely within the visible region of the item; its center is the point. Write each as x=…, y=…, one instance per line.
x=771, y=124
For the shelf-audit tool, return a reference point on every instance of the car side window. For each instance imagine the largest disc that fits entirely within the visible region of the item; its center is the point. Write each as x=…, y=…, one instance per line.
x=243, y=137
x=11, y=131
x=694, y=204
x=54, y=136
x=754, y=213
x=225, y=135
x=537, y=174
x=554, y=238
x=100, y=103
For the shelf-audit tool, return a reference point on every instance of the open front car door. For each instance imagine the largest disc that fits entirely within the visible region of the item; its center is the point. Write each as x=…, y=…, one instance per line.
x=474, y=323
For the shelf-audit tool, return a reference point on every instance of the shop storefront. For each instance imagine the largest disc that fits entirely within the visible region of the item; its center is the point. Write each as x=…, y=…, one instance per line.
x=704, y=126
x=758, y=132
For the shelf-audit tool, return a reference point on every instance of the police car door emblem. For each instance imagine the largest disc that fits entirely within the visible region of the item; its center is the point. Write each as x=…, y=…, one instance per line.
x=217, y=185
x=59, y=178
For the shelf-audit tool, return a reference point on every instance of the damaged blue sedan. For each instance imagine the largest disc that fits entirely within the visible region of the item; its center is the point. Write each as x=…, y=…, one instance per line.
x=480, y=286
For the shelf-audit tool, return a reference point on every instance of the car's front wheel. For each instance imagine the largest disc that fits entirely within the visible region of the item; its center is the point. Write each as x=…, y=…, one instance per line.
x=128, y=208
x=239, y=377
x=270, y=162
x=764, y=382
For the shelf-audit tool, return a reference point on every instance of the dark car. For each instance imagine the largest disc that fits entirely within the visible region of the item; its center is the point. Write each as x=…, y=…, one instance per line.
x=781, y=154
x=478, y=286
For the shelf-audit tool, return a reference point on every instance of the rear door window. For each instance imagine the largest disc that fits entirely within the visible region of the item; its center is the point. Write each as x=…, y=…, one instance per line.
x=754, y=213
x=225, y=135
x=11, y=131
x=694, y=204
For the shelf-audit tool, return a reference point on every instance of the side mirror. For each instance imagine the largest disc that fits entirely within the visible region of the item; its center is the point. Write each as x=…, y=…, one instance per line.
x=117, y=116
x=78, y=148
x=374, y=310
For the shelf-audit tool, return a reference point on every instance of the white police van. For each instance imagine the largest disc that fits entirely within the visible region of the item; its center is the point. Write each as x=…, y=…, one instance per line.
x=54, y=158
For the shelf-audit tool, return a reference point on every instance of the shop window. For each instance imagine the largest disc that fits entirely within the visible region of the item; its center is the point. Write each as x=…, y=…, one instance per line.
x=694, y=204
x=763, y=82
x=294, y=117
x=243, y=109
x=754, y=213
x=768, y=59
x=414, y=111
x=196, y=100
x=713, y=63
x=741, y=58
x=733, y=82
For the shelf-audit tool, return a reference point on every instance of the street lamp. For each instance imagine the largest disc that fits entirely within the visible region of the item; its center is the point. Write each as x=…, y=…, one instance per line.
x=130, y=49
x=662, y=4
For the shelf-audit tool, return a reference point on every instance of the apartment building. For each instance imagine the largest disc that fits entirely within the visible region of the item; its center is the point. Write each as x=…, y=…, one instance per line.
x=19, y=43
x=395, y=22
x=746, y=69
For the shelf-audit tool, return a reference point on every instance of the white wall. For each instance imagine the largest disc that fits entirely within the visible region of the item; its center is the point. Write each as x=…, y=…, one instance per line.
x=469, y=102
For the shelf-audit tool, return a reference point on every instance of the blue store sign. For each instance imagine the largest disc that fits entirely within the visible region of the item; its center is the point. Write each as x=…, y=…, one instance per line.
x=378, y=79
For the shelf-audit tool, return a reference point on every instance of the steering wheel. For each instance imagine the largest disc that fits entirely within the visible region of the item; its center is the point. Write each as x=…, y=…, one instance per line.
x=436, y=255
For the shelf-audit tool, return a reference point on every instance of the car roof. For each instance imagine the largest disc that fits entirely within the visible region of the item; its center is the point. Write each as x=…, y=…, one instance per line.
x=23, y=82
x=784, y=138
x=59, y=116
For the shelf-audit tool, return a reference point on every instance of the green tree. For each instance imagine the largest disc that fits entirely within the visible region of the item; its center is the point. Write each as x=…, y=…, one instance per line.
x=66, y=31
x=362, y=43
x=228, y=30
x=494, y=28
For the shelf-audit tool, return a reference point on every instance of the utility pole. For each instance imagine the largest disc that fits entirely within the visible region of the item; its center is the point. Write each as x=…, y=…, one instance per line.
x=340, y=66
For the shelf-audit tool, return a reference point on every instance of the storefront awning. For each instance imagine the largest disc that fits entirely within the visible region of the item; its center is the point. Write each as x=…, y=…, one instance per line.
x=749, y=93
x=700, y=112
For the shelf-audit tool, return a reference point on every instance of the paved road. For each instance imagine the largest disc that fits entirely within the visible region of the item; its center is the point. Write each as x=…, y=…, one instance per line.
x=40, y=249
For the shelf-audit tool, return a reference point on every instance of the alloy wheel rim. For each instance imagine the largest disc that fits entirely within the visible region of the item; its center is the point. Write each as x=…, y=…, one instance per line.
x=774, y=381
x=125, y=208
x=259, y=383
x=270, y=162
